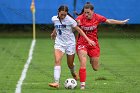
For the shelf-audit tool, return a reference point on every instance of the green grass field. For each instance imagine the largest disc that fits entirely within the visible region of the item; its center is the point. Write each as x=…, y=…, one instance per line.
x=119, y=67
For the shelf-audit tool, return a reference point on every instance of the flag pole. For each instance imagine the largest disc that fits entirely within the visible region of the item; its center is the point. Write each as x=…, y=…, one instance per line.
x=33, y=18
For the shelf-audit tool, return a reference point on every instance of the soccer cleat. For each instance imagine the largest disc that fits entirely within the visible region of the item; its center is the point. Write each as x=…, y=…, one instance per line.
x=82, y=87
x=55, y=85
x=75, y=76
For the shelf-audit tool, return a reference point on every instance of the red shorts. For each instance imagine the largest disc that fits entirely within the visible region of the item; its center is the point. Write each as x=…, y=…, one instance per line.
x=92, y=51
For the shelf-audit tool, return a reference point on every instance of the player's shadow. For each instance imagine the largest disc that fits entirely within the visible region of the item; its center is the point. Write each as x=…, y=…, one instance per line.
x=101, y=78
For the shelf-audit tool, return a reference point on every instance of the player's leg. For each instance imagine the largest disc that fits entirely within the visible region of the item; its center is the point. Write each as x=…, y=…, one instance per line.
x=94, y=54
x=94, y=63
x=71, y=65
x=57, y=68
x=70, y=51
x=82, y=55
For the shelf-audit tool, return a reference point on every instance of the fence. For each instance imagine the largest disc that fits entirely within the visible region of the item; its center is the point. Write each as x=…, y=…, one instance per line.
x=18, y=11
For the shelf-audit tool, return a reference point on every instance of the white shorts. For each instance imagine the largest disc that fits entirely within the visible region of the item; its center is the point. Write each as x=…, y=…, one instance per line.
x=70, y=49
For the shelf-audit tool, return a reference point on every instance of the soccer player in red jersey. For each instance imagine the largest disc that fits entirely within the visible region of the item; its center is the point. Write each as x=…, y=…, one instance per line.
x=88, y=22
x=65, y=42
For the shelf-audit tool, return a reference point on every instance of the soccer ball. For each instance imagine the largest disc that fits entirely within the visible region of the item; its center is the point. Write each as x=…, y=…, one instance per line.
x=70, y=83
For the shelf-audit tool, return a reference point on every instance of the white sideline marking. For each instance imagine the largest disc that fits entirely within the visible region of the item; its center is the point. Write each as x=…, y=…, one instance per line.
x=23, y=75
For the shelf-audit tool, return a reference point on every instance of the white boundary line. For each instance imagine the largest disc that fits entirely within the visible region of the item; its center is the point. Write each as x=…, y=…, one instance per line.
x=23, y=75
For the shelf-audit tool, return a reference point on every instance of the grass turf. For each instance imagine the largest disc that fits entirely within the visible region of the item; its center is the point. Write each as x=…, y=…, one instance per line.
x=119, y=67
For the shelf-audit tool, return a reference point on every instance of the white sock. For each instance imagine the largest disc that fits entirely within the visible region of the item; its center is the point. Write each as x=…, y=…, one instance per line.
x=57, y=72
x=83, y=83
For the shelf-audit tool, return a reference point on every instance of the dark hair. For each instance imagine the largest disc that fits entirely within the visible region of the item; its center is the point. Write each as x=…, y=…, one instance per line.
x=88, y=5
x=64, y=8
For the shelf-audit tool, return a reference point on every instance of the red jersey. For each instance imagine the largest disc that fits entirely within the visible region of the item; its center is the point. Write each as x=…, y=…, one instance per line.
x=89, y=26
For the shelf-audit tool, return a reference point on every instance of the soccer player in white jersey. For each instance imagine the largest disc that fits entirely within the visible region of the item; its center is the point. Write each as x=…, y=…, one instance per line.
x=65, y=42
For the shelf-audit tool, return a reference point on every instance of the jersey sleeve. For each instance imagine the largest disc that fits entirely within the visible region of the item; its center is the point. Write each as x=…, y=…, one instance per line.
x=101, y=18
x=73, y=22
x=53, y=18
x=79, y=18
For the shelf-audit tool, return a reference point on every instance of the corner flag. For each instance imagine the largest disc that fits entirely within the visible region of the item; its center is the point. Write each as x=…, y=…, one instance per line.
x=33, y=13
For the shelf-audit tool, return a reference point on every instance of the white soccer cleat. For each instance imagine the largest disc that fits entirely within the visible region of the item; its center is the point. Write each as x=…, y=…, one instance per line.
x=82, y=87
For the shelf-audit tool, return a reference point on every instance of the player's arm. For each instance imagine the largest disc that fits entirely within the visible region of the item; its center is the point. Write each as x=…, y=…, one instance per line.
x=84, y=35
x=112, y=21
x=53, y=34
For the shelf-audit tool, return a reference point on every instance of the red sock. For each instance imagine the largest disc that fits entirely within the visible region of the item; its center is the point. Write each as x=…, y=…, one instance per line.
x=82, y=74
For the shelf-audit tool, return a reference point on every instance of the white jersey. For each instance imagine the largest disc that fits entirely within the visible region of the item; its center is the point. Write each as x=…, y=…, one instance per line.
x=65, y=35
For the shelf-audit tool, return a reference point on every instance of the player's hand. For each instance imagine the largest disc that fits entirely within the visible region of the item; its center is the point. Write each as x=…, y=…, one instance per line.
x=53, y=35
x=92, y=43
x=125, y=21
